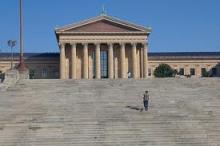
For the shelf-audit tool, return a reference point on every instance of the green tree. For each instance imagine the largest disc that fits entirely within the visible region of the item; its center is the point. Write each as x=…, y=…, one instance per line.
x=32, y=74
x=163, y=71
x=205, y=73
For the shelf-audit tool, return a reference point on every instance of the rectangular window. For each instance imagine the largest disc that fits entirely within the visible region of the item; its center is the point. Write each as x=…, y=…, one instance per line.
x=214, y=71
x=181, y=72
x=104, y=64
x=55, y=73
x=149, y=72
x=192, y=71
x=44, y=73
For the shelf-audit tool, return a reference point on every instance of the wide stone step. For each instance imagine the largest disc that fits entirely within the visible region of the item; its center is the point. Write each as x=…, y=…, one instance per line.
x=183, y=112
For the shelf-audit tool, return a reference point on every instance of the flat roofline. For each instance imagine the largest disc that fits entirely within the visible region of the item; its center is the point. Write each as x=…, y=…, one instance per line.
x=152, y=55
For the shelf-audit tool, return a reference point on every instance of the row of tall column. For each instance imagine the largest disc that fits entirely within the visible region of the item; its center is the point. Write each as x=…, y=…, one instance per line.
x=123, y=73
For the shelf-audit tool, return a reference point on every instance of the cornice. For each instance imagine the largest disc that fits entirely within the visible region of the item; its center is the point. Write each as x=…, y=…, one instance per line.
x=102, y=33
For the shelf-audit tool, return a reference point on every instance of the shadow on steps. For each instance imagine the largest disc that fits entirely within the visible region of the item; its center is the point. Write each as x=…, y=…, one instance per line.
x=135, y=108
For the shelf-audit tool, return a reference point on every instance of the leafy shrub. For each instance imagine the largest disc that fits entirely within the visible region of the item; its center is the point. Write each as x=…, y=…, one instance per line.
x=205, y=73
x=163, y=71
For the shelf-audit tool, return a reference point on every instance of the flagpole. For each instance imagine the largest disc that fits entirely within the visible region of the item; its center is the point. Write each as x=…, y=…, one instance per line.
x=21, y=66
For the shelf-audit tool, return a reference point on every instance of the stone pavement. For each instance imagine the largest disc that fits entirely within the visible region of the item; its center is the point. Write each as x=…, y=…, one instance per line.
x=183, y=112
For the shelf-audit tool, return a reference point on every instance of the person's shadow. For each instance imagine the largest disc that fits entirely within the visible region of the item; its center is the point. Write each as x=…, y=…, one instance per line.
x=135, y=108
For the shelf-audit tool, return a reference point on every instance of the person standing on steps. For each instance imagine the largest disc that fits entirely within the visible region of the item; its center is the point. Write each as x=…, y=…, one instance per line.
x=129, y=74
x=146, y=100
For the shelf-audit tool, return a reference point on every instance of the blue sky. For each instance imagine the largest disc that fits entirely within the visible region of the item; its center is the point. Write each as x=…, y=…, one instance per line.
x=178, y=25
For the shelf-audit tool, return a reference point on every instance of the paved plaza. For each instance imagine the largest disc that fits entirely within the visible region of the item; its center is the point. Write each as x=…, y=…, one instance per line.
x=183, y=112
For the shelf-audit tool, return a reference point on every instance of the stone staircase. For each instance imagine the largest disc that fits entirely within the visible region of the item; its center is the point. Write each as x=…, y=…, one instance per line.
x=183, y=112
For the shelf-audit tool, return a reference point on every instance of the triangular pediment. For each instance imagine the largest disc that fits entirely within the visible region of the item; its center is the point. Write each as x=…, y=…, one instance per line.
x=103, y=24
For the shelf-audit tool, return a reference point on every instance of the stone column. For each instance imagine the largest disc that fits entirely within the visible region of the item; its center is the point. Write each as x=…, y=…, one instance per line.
x=198, y=71
x=97, y=61
x=85, y=61
x=62, y=61
x=73, y=61
x=134, y=60
x=91, y=63
x=122, y=54
x=145, y=49
x=141, y=63
x=110, y=61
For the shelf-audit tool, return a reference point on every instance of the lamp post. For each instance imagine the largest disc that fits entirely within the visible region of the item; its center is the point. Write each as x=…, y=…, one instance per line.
x=21, y=66
x=11, y=44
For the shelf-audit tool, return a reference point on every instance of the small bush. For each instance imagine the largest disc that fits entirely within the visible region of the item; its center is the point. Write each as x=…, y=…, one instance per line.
x=205, y=73
x=163, y=71
x=31, y=73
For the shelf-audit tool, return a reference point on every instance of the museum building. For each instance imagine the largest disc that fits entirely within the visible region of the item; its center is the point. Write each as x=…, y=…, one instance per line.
x=107, y=47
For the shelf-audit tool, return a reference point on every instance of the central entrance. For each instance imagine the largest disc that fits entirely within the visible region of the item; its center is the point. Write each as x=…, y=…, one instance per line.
x=104, y=63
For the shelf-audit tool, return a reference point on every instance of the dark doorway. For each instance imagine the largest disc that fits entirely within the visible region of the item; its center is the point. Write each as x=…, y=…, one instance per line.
x=181, y=71
x=192, y=71
x=94, y=64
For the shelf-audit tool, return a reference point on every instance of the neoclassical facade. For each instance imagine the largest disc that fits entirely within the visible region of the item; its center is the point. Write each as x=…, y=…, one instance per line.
x=103, y=47
x=107, y=47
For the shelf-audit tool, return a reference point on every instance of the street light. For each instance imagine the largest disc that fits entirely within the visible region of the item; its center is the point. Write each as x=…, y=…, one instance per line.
x=11, y=44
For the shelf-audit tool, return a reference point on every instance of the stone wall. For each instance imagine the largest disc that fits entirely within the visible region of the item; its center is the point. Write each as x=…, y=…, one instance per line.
x=38, y=69
x=10, y=79
x=209, y=65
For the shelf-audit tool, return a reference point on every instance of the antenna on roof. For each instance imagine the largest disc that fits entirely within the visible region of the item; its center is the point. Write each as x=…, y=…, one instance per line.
x=104, y=12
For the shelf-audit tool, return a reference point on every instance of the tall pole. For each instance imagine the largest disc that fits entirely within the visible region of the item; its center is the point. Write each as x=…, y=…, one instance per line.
x=21, y=66
x=21, y=30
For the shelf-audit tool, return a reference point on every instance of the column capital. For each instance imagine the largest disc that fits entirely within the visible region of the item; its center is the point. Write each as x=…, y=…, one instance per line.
x=97, y=44
x=145, y=44
x=73, y=44
x=134, y=44
x=110, y=44
x=62, y=45
x=85, y=44
x=122, y=44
